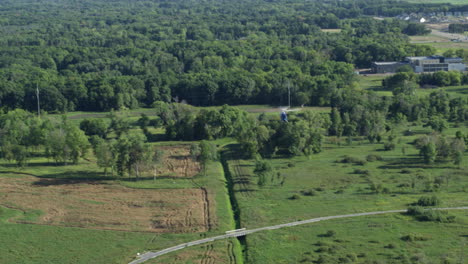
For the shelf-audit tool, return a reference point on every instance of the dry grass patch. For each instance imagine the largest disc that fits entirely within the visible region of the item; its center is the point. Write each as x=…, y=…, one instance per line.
x=102, y=205
x=178, y=162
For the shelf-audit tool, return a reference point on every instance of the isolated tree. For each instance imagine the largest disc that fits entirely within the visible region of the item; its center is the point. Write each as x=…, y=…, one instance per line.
x=458, y=158
x=66, y=143
x=429, y=153
x=105, y=155
x=139, y=154
x=457, y=148
x=56, y=146
x=118, y=124
x=76, y=141
x=263, y=170
x=144, y=123
x=336, y=127
x=437, y=123
x=92, y=127
x=195, y=151
x=208, y=152
x=122, y=151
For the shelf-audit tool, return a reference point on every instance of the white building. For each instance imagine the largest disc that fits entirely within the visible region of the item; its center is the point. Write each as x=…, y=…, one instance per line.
x=422, y=64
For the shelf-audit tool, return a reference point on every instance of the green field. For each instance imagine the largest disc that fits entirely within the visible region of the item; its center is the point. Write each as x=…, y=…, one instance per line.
x=442, y=47
x=363, y=240
x=342, y=188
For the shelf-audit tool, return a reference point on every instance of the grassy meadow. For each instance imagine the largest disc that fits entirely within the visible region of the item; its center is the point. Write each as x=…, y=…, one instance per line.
x=324, y=186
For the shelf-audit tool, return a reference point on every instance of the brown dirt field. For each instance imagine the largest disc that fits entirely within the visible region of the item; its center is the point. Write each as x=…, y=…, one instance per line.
x=101, y=205
x=178, y=162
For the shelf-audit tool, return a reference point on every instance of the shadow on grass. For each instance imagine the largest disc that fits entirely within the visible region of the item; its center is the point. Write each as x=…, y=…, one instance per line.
x=156, y=137
x=241, y=181
x=410, y=163
x=378, y=89
x=233, y=152
x=457, y=90
x=73, y=177
x=31, y=165
x=57, y=181
x=245, y=191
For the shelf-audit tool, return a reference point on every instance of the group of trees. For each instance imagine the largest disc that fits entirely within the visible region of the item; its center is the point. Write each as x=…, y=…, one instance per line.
x=362, y=113
x=265, y=135
x=115, y=146
x=437, y=147
x=81, y=61
x=401, y=81
x=458, y=28
x=23, y=134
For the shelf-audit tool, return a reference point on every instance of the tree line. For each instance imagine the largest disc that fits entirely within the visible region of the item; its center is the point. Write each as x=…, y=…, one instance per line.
x=400, y=80
x=115, y=147
x=458, y=28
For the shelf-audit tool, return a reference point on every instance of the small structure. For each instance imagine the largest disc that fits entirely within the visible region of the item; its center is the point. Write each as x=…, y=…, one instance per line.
x=284, y=116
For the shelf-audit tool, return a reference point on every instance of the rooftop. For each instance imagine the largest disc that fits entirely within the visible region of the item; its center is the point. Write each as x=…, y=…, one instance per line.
x=387, y=63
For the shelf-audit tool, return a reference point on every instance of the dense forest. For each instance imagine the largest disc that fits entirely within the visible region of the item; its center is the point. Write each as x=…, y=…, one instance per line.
x=102, y=55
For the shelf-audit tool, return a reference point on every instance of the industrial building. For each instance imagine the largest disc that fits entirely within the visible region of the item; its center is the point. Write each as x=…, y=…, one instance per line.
x=421, y=64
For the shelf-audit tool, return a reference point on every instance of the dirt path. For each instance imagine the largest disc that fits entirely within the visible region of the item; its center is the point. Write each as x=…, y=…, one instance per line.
x=151, y=255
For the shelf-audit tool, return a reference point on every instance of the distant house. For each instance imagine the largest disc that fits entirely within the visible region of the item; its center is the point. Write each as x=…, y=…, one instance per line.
x=422, y=64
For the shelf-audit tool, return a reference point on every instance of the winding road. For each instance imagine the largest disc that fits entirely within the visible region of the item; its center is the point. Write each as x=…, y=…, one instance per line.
x=150, y=255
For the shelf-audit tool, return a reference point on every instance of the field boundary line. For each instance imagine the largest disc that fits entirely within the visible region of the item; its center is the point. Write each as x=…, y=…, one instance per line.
x=150, y=255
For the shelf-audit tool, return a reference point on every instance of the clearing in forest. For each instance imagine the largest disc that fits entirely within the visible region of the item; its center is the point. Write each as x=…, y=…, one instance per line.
x=101, y=205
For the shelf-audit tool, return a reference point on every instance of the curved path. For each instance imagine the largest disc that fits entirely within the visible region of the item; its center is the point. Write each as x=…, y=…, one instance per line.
x=149, y=255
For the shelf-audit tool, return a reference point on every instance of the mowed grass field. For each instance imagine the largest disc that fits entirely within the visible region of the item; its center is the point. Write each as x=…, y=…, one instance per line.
x=75, y=214
x=441, y=47
x=373, y=82
x=325, y=186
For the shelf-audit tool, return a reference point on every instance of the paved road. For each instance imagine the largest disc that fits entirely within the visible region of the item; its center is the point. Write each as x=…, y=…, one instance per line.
x=149, y=255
